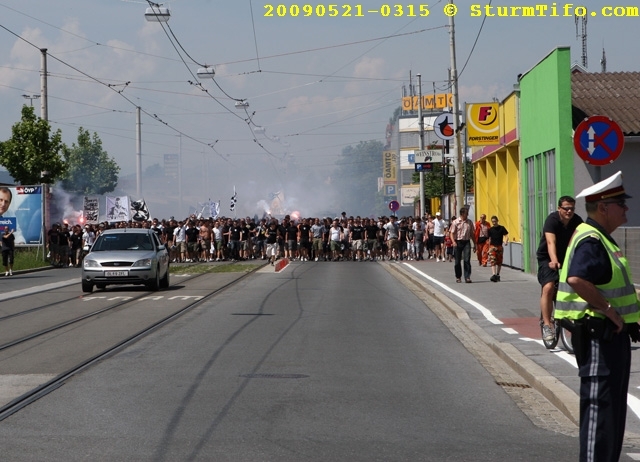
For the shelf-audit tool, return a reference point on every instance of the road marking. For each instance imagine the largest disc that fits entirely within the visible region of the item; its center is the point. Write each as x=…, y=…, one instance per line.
x=510, y=330
x=485, y=312
x=36, y=289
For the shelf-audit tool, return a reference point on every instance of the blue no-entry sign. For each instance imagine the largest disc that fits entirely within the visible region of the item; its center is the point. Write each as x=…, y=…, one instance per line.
x=598, y=140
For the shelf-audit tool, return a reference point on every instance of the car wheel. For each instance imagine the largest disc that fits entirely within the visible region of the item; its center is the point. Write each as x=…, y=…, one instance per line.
x=154, y=284
x=87, y=286
x=164, y=282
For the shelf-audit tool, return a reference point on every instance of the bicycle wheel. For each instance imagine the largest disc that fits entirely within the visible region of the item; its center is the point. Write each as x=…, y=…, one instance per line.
x=549, y=344
x=565, y=335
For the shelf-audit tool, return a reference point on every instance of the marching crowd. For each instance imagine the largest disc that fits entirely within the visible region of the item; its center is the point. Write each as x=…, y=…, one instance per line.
x=343, y=238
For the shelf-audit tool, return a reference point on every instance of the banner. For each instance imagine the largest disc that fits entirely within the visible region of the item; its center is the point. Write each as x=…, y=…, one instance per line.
x=21, y=211
x=483, y=124
x=91, y=210
x=118, y=208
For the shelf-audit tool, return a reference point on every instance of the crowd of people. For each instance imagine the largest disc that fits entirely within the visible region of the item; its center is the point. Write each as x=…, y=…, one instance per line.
x=343, y=238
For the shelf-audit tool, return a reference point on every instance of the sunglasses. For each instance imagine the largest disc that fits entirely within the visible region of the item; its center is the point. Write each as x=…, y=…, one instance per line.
x=568, y=209
x=621, y=203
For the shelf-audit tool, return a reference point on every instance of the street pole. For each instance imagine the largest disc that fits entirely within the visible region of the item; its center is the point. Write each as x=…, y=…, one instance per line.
x=421, y=143
x=138, y=154
x=459, y=202
x=44, y=115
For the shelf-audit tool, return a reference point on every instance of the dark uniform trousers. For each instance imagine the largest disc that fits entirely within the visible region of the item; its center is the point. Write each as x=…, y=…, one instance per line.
x=604, y=381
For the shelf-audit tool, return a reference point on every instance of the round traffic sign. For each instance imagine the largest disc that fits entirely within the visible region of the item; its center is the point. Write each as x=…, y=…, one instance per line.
x=598, y=140
x=394, y=206
x=443, y=126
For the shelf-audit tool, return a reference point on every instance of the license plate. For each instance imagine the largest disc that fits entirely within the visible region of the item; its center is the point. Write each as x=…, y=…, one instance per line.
x=115, y=274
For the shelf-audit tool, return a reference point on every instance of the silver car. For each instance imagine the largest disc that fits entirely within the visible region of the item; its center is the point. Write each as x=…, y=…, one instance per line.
x=126, y=256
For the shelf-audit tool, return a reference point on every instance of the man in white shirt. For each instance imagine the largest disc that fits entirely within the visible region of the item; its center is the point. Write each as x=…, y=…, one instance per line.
x=439, y=226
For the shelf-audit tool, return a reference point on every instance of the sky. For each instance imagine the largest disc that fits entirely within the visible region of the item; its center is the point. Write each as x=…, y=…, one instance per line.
x=314, y=84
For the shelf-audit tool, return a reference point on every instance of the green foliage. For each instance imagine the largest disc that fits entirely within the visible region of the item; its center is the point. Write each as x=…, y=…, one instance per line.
x=356, y=178
x=31, y=151
x=433, y=181
x=89, y=168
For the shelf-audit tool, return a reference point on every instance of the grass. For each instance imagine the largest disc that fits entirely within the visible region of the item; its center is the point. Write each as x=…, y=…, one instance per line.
x=28, y=258
x=202, y=268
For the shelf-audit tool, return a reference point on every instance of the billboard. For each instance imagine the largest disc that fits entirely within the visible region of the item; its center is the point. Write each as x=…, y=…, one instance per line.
x=389, y=167
x=483, y=124
x=21, y=210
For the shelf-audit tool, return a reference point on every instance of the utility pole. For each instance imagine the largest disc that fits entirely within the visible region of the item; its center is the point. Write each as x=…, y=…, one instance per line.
x=421, y=143
x=457, y=159
x=44, y=109
x=138, y=154
x=44, y=114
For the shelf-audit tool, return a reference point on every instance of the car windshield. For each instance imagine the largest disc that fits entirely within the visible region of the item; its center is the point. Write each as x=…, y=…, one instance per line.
x=125, y=241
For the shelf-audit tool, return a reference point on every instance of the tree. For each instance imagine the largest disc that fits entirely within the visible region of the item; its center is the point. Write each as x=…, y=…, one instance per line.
x=433, y=180
x=31, y=155
x=89, y=168
x=356, y=178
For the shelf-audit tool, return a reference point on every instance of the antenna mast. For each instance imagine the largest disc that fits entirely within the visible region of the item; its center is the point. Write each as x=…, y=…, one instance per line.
x=583, y=36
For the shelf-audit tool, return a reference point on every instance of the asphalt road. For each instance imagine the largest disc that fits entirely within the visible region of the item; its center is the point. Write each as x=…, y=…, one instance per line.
x=321, y=362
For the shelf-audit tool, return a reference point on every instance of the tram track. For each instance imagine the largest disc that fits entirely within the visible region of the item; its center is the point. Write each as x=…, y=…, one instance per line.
x=24, y=400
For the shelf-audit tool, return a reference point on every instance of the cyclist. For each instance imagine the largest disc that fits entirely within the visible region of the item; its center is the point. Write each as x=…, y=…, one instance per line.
x=556, y=233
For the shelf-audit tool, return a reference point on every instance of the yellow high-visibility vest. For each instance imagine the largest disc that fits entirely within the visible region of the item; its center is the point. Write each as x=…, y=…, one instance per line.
x=619, y=291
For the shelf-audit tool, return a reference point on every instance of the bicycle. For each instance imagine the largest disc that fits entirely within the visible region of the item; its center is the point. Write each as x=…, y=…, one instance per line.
x=561, y=333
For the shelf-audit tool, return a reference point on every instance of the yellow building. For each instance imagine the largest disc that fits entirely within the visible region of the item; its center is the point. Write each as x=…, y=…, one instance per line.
x=497, y=173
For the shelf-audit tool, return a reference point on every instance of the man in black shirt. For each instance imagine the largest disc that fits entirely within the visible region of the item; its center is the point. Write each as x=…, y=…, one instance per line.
x=8, y=245
x=556, y=233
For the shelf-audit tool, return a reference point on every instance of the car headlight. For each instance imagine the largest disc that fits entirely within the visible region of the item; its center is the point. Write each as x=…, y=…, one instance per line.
x=91, y=264
x=145, y=262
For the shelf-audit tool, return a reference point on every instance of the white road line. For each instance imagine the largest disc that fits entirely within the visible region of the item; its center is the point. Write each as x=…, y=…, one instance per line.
x=485, y=312
x=511, y=331
x=632, y=402
x=36, y=289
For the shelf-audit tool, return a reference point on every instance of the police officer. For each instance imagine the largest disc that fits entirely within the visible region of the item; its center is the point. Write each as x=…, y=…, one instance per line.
x=596, y=294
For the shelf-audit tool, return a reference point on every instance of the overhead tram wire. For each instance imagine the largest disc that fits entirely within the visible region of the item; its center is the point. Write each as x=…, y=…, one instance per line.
x=199, y=84
x=110, y=87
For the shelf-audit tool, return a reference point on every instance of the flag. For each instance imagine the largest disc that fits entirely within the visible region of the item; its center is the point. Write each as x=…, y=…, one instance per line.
x=140, y=210
x=234, y=199
x=217, y=210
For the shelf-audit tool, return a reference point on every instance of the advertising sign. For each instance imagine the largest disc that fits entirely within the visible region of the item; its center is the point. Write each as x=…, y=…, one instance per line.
x=21, y=210
x=437, y=101
x=389, y=167
x=483, y=124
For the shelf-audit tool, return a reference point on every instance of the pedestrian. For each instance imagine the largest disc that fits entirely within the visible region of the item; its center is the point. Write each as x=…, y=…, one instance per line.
x=418, y=238
x=462, y=235
x=439, y=226
x=8, y=246
x=391, y=235
x=556, y=233
x=482, y=240
x=448, y=245
x=496, y=234
x=595, y=292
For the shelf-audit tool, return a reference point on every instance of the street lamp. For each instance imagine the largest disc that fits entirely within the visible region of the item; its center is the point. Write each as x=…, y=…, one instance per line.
x=31, y=98
x=206, y=72
x=157, y=13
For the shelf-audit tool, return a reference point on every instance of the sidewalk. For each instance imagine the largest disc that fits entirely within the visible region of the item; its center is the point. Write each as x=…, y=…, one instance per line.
x=505, y=316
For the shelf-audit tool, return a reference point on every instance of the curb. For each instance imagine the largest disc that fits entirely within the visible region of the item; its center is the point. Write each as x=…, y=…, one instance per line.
x=281, y=264
x=557, y=393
